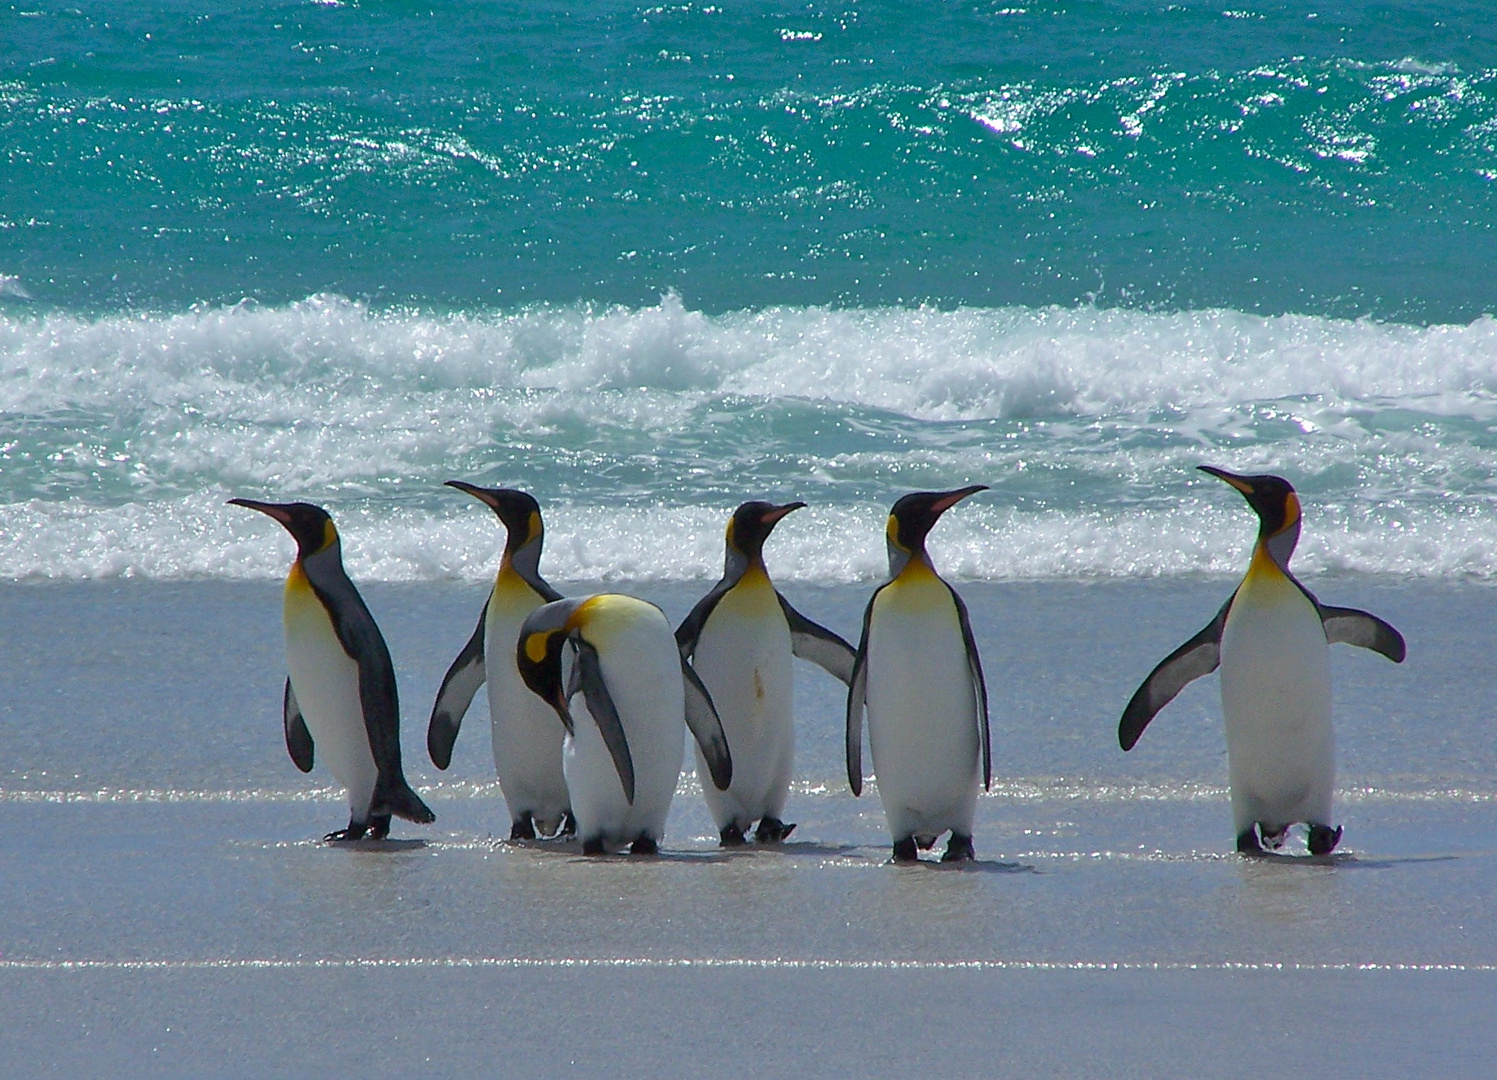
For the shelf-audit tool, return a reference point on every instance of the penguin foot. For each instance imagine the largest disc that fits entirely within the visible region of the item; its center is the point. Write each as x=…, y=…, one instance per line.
x=959, y=849
x=355, y=831
x=1273, y=839
x=772, y=830
x=645, y=845
x=904, y=850
x=732, y=836
x=522, y=828
x=594, y=846
x=1247, y=841
x=1323, y=839
x=379, y=827
x=568, y=824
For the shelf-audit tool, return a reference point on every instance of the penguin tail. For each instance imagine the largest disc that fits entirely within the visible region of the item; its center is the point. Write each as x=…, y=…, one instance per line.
x=396, y=797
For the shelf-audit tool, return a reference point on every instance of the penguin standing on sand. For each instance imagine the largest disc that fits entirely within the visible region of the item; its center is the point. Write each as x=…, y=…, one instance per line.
x=740, y=638
x=340, y=696
x=525, y=736
x=1271, y=641
x=920, y=679
x=621, y=761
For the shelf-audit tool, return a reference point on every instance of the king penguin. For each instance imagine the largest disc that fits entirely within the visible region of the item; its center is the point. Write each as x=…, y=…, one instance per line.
x=636, y=690
x=525, y=736
x=918, y=675
x=1271, y=641
x=340, y=696
x=740, y=638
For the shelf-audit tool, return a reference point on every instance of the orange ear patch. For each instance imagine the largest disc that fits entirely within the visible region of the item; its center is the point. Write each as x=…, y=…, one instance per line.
x=535, y=647
x=1291, y=511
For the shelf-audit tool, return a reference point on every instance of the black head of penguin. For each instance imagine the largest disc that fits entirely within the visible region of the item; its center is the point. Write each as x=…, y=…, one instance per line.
x=311, y=526
x=1276, y=504
x=538, y=650
x=751, y=525
x=518, y=510
x=914, y=515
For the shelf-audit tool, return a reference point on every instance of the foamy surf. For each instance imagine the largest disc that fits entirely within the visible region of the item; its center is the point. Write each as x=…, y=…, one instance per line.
x=639, y=429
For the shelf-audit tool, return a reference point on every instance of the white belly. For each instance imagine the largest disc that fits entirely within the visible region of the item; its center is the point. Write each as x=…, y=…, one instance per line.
x=642, y=669
x=1276, y=701
x=525, y=730
x=743, y=657
x=922, y=711
x=326, y=682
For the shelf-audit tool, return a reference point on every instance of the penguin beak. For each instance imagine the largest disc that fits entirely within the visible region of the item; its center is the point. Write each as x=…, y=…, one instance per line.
x=780, y=511
x=951, y=498
x=481, y=494
x=1236, y=481
x=275, y=510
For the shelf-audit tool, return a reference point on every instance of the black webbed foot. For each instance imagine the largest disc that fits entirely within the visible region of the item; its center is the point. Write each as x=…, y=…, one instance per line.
x=594, y=846
x=355, y=831
x=732, y=836
x=379, y=827
x=1247, y=841
x=772, y=830
x=959, y=849
x=905, y=850
x=523, y=827
x=568, y=823
x=1323, y=839
x=645, y=845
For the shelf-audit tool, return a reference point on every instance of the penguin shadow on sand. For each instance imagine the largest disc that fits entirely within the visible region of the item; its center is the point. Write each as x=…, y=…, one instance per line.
x=1340, y=860
x=378, y=847
x=966, y=866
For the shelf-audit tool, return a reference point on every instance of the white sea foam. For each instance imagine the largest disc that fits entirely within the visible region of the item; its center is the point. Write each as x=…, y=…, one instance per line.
x=121, y=436
x=198, y=537
x=288, y=364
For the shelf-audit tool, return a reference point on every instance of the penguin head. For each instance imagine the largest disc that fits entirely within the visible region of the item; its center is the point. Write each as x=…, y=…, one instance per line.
x=1276, y=504
x=518, y=510
x=912, y=518
x=311, y=526
x=543, y=636
x=750, y=526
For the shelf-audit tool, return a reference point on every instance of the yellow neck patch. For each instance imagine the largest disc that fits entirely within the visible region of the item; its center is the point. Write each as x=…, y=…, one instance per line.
x=329, y=535
x=1263, y=568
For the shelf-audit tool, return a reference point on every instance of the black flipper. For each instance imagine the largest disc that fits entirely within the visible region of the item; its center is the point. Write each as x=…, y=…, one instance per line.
x=1198, y=656
x=691, y=626
x=298, y=738
x=857, y=696
x=459, y=685
x=813, y=642
x=706, y=728
x=1361, y=628
x=587, y=673
x=979, y=687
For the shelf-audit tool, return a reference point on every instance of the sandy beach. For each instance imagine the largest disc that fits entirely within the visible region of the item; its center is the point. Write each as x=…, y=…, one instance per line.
x=169, y=908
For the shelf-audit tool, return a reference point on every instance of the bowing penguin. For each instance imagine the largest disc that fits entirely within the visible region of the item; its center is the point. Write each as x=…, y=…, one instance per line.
x=622, y=756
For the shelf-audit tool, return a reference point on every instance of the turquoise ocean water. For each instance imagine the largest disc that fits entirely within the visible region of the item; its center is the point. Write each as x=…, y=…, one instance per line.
x=649, y=260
